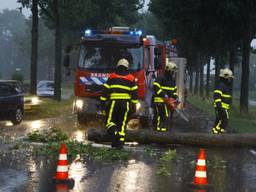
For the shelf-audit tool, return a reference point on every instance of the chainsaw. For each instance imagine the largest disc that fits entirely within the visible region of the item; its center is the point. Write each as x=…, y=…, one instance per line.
x=172, y=105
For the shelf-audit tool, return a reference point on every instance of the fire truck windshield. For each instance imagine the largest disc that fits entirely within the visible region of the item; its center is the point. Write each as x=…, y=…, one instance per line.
x=106, y=57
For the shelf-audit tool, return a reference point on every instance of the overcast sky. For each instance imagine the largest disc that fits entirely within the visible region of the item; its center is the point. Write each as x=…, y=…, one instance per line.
x=12, y=4
x=145, y=5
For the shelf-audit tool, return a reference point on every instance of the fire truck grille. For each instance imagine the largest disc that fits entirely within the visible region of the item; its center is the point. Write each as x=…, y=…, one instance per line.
x=94, y=88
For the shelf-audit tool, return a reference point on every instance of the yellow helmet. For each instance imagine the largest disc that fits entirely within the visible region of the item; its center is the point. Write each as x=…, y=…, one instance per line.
x=123, y=62
x=226, y=73
x=170, y=66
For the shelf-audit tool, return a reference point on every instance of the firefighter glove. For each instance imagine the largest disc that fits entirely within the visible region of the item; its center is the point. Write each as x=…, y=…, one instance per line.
x=102, y=108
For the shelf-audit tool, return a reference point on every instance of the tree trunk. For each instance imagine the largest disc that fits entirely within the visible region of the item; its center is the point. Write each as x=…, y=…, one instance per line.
x=194, y=139
x=201, y=80
x=217, y=70
x=245, y=70
x=232, y=59
x=196, y=81
x=191, y=80
x=245, y=77
x=34, y=47
x=246, y=45
x=57, y=73
x=207, y=88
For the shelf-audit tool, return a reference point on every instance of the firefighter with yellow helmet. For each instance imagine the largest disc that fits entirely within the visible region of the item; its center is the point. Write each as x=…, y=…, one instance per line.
x=222, y=101
x=164, y=88
x=120, y=90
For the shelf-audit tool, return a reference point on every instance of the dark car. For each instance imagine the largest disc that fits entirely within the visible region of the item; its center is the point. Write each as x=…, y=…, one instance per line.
x=31, y=102
x=11, y=103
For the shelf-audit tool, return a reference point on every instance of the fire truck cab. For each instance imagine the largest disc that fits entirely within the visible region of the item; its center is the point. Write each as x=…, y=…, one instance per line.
x=99, y=54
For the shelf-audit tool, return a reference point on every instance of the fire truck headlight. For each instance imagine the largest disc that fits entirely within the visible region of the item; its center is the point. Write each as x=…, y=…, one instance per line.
x=138, y=105
x=79, y=104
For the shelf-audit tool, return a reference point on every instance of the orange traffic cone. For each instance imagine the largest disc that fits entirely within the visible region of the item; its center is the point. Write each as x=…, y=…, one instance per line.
x=61, y=176
x=62, y=167
x=201, y=175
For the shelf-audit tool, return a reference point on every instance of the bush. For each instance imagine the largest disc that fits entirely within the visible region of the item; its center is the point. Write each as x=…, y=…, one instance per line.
x=18, y=77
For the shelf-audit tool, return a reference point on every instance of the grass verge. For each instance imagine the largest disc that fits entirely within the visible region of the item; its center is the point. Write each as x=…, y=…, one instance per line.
x=242, y=123
x=50, y=108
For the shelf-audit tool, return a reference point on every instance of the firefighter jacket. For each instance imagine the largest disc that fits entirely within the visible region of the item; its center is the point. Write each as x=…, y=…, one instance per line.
x=164, y=86
x=120, y=86
x=222, y=96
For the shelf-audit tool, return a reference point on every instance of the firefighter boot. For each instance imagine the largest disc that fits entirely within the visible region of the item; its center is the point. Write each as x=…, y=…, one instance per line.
x=116, y=142
x=112, y=133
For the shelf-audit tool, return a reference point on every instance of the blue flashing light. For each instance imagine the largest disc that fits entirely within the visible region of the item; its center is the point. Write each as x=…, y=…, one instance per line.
x=138, y=32
x=87, y=32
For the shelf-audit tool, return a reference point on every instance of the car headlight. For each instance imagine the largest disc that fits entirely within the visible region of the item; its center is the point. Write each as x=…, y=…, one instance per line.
x=35, y=100
x=79, y=104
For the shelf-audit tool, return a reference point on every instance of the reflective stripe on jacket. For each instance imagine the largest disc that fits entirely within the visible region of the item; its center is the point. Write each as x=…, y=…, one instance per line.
x=120, y=87
x=222, y=96
x=164, y=86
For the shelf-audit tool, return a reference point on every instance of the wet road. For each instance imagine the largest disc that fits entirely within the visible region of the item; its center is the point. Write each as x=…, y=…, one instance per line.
x=228, y=170
x=67, y=123
x=233, y=171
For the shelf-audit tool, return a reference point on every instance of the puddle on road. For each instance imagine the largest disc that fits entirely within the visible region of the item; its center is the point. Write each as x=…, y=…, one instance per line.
x=66, y=123
x=227, y=170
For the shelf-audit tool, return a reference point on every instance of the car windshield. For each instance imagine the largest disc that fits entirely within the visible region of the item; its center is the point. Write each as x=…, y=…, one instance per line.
x=18, y=86
x=106, y=57
x=5, y=90
x=46, y=85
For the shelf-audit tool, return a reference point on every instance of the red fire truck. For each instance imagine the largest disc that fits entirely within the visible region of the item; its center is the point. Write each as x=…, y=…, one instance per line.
x=99, y=53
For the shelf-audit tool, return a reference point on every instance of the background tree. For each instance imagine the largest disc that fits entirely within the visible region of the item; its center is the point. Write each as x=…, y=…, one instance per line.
x=214, y=29
x=45, y=49
x=57, y=73
x=12, y=26
x=248, y=24
x=151, y=25
x=33, y=5
x=17, y=76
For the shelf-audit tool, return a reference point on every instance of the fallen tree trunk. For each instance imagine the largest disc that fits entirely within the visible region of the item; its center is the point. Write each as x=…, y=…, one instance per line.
x=194, y=139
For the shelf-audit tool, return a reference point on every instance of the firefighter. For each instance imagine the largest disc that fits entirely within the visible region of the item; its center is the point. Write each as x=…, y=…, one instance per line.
x=222, y=101
x=164, y=88
x=120, y=90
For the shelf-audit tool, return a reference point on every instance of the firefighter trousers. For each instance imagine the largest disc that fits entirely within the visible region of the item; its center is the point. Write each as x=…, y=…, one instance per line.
x=117, y=120
x=162, y=116
x=221, y=121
